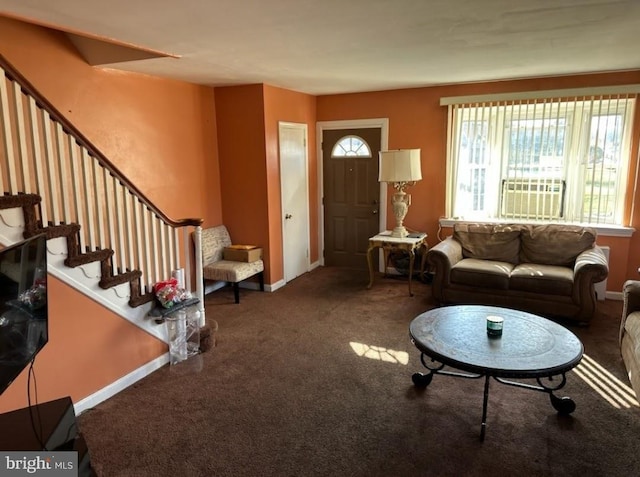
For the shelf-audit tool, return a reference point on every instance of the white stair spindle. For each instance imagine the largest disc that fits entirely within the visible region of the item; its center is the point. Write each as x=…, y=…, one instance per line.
x=36, y=147
x=63, y=175
x=22, y=138
x=9, y=154
x=76, y=173
x=89, y=197
x=52, y=160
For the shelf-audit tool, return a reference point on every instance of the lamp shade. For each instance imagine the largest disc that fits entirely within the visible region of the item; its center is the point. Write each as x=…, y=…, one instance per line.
x=402, y=165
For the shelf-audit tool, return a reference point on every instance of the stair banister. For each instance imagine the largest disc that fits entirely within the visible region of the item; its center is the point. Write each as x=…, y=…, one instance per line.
x=94, y=174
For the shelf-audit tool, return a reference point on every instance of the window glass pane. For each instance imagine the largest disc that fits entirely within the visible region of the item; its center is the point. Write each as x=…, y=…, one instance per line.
x=536, y=148
x=351, y=146
x=605, y=143
x=473, y=154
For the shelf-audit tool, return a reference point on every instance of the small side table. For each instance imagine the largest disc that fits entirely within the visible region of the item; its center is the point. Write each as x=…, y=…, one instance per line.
x=388, y=243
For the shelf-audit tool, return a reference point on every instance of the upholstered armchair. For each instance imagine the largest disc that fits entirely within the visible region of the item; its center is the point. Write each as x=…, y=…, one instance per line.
x=214, y=267
x=630, y=332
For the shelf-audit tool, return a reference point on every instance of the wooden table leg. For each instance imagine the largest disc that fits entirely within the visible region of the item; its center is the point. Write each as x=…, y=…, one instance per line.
x=370, y=262
x=412, y=257
x=425, y=249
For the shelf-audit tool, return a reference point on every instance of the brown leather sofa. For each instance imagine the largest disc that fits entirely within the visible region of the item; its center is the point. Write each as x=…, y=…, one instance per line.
x=544, y=269
x=630, y=332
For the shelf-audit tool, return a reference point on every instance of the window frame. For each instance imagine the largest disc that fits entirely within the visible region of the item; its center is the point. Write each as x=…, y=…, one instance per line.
x=573, y=127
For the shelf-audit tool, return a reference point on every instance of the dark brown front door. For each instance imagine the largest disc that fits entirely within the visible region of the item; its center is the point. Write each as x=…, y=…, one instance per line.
x=351, y=194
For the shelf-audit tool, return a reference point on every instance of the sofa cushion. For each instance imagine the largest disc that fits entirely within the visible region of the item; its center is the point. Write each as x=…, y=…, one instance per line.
x=555, y=244
x=545, y=279
x=497, y=242
x=481, y=273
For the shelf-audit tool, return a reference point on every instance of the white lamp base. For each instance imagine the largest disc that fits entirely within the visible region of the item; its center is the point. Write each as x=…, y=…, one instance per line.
x=399, y=232
x=400, y=202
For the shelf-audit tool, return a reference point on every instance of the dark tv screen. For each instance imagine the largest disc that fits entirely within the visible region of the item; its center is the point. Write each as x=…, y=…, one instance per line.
x=23, y=306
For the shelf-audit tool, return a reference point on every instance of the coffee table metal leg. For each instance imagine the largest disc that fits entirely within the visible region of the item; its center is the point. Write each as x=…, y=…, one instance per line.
x=564, y=405
x=484, y=407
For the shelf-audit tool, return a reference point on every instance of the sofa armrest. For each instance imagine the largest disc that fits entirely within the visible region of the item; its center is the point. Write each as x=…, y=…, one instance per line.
x=631, y=301
x=590, y=267
x=442, y=257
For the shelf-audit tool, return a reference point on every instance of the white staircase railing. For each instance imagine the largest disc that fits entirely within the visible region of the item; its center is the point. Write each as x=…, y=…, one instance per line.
x=42, y=153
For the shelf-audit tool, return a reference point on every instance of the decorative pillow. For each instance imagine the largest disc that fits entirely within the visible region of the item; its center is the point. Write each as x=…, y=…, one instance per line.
x=555, y=244
x=499, y=242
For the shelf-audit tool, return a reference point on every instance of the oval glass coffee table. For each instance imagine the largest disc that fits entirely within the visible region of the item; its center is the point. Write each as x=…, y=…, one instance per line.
x=530, y=347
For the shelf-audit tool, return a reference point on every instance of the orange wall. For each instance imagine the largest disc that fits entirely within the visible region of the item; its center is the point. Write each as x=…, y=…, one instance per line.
x=416, y=120
x=289, y=106
x=243, y=168
x=159, y=133
x=162, y=135
x=89, y=348
x=247, y=119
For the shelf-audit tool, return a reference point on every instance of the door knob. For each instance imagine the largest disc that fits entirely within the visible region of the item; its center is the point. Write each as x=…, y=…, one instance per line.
x=374, y=212
x=287, y=216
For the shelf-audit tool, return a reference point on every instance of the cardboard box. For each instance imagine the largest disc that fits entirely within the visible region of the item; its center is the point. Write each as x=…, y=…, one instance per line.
x=242, y=253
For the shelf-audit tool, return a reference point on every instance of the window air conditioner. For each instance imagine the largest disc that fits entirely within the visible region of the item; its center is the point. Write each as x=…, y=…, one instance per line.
x=532, y=198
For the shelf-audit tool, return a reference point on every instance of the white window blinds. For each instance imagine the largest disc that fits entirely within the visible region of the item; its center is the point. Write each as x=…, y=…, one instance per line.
x=543, y=159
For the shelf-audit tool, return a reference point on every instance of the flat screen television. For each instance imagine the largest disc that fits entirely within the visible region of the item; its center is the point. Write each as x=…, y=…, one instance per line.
x=23, y=306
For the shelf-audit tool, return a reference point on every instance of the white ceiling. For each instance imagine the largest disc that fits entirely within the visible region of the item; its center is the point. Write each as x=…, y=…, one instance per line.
x=339, y=46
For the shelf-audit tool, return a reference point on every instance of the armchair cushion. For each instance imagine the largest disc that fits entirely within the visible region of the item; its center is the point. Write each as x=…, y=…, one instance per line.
x=229, y=271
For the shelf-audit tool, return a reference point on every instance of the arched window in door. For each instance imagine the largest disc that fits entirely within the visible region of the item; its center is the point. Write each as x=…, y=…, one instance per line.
x=351, y=146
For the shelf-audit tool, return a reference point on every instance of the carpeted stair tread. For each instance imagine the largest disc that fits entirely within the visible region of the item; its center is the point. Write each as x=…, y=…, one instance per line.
x=19, y=200
x=53, y=231
x=141, y=299
x=88, y=257
x=109, y=282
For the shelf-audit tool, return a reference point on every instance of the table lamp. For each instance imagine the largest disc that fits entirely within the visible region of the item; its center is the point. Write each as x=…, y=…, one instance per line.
x=402, y=168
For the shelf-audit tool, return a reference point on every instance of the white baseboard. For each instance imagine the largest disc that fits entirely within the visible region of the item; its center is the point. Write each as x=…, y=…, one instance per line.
x=617, y=296
x=210, y=287
x=274, y=286
x=121, y=384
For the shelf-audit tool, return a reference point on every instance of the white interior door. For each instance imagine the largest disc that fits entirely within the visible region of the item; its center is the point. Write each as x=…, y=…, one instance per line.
x=295, y=199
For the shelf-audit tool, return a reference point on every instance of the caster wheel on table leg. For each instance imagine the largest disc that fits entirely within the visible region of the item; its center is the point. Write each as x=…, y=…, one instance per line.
x=564, y=405
x=421, y=380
